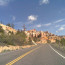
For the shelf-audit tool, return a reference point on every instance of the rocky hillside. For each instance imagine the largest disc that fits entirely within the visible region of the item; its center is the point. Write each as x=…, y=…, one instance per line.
x=44, y=37
x=8, y=29
x=38, y=36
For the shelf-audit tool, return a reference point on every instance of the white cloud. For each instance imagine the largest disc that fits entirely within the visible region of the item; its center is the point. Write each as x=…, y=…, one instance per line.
x=39, y=25
x=48, y=24
x=32, y=18
x=61, y=28
x=13, y=18
x=59, y=20
x=56, y=31
x=44, y=2
x=4, y=2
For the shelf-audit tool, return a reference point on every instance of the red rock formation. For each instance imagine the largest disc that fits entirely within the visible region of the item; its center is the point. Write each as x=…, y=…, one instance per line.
x=44, y=36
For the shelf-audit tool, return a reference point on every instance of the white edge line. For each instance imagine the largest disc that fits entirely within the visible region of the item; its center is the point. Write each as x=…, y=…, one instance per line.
x=57, y=52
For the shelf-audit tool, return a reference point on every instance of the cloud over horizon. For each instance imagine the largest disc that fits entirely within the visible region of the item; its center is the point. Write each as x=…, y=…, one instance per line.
x=60, y=20
x=4, y=2
x=48, y=24
x=44, y=2
x=62, y=27
x=38, y=26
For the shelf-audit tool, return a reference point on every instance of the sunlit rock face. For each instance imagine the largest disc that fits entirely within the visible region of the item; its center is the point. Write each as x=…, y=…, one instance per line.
x=44, y=36
x=8, y=29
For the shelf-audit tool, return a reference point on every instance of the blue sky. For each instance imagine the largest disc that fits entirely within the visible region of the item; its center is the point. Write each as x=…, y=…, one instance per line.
x=45, y=15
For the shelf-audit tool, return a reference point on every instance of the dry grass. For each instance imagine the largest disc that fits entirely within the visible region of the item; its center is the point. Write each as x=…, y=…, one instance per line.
x=11, y=48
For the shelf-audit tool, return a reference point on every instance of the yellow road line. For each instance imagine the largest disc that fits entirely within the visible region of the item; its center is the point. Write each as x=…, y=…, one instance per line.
x=17, y=59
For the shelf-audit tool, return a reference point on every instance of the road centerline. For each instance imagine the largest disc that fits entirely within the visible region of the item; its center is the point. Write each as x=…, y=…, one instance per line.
x=20, y=57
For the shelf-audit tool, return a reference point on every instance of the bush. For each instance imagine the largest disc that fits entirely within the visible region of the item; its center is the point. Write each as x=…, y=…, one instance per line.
x=57, y=41
x=10, y=25
x=15, y=39
x=48, y=41
x=18, y=39
x=6, y=39
x=1, y=30
x=36, y=39
x=29, y=42
x=63, y=42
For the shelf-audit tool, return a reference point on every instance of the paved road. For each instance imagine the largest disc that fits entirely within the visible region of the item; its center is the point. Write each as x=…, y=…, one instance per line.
x=40, y=55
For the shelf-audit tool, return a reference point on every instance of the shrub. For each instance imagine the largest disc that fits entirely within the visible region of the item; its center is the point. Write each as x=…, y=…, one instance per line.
x=1, y=30
x=57, y=41
x=30, y=41
x=36, y=39
x=63, y=42
x=48, y=41
x=18, y=39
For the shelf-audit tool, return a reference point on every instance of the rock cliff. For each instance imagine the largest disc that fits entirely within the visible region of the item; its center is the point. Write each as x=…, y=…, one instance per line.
x=45, y=37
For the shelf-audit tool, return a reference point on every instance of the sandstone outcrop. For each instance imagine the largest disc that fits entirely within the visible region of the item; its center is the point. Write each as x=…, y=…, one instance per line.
x=8, y=29
x=44, y=36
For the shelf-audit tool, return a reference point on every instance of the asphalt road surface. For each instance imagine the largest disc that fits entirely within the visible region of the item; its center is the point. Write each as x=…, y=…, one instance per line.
x=41, y=54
